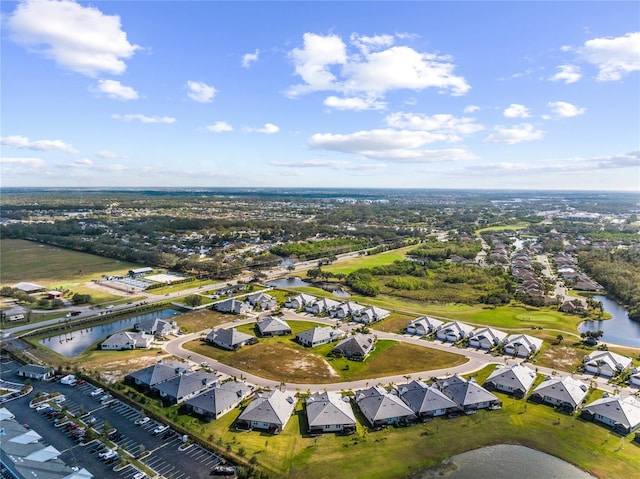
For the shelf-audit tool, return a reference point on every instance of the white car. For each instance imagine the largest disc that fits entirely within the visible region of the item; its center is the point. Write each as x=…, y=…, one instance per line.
x=42, y=407
x=160, y=429
x=107, y=454
x=142, y=420
x=59, y=399
x=139, y=475
x=96, y=392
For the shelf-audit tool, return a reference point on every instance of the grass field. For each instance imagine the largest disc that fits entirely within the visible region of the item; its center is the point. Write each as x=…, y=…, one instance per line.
x=380, y=259
x=518, y=226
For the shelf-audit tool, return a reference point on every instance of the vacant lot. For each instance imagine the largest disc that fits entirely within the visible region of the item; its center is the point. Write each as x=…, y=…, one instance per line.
x=50, y=266
x=380, y=259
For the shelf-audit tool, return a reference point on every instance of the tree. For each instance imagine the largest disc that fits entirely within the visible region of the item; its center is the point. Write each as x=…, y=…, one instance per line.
x=193, y=300
x=559, y=338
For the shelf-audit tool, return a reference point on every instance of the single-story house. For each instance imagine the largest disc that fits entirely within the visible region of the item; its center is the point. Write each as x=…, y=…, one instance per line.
x=272, y=326
x=515, y=379
x=232, y=306
x=322, y=305
x=566, y=393
x=356, y=347
x=219, y=400
x=467, y=394
x=381, y=407
x=606, y=363
x=150, y=376
x=268, y=411
x=423, y=326
x=230, y=339
x=318, y=335
x=134, y=273
x=346, y=309
x=35, y=371
x=29, y=288
x=621, y=413
x=54, y=294
x=300, y=301
x=370, y=315
x=453, y=331
x=156, y=327
x=262, y=300
x=634, y=379
x=329, y=412
x=184, y=386
x=127, y=340
x=522, y=345
x=426, y=401
x=573, y=307
x=486, y=338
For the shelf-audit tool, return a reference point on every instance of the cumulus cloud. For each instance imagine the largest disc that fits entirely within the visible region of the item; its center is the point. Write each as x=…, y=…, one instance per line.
x=514, y=134
x=219, y=127
x=268, y=129
x=28, y=162
x=564, y=109
x=354, y=103
x=373, y=66
x=445, y=124
x=78, y=38
x=109, y=155
x=18, y=141
x=144, y=118
x=116, y=90
x=249, y=58
x=200, y=91
x=516, y=111
x=614, y=57
x=471, y=109
x=567, y=74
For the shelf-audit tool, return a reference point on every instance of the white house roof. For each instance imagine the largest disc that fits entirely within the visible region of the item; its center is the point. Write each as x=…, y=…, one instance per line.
x=515, y=376
x=524, y=340
x=489, y=333
x=457, y=327
x=303, y=298
x=623, y=410
x=426, y=322
x=27, y=438
x=565, y=389
x=43, y=455
x=614, y=360
x=317, y=334
x=328, y=408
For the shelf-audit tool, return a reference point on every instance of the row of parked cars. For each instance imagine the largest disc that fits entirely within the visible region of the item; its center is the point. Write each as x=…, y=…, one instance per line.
x=59, y=419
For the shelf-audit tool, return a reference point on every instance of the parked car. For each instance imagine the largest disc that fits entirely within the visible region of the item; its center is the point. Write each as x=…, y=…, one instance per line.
x=142, y=420
x=160, y=429
x=42, y=407
x=139, y=475
x=96, y=392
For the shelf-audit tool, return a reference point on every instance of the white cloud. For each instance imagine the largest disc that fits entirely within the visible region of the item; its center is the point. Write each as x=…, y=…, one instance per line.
x=471, y=109
x=354, y=103
x=249, y=58
x=514, y=134
x=564, y=109
x=334, y=164
x=566, y=48
x=614, y=57
x=144, y=118
x=267, y=129
x=28, y=162
x=373, y=68
x=567, y=74
x=18, y=141
x=109, y=155
x=444, y=124
x=80, y=39
x=116, y=90
x=388, y=144
x=83, y=163
x=219, y=127
x=516, y=111
x=201, y=92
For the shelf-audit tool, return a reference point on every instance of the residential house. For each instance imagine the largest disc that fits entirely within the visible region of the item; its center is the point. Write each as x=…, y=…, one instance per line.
x=467, y=394
x=127, y=340
x=486, y=338
x=184, y=386
x=35, y=371
x=230, y=339
x=515, y=379
x=322, y=305
x=329, y=412
x=453, y=331
x=566, y=393
x=346, y=309
x=606, y=363
x=370, y=315
x=381, y=407
x=150, y=376
x=522, y=345
x=426, y=401
x=268, y=411
x=217, y=401
x=262, y=300
x=423, y=326
x=300, y=301
x=573, y=307
x=272, y=326
x=232, y=306
x=156, y=327
x=634, y=379
x=621, y=413
x=356, y=347
x=318, y=335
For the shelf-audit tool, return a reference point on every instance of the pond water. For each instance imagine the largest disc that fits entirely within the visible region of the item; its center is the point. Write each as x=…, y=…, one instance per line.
x=287, y=283
x=619, y=329
x=74, y=343
x=506, y=461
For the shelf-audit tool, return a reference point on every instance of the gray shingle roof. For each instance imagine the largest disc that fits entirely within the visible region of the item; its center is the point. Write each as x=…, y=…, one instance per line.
x=328, y=409
x=378, y=405
x=515, y=376
x=465, y=393
x=358, y=345
x=622, y=410
x=423, y=399
x=221, y=397
x=317, y=334
x=272, y=325
x=161, y=371
x=185, y=384
x=228, y=336
x=566, y=390
x=272, y=407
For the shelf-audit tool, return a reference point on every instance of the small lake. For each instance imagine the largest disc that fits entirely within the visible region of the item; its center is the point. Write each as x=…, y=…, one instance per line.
x=619, y=329
x=74, y=343
x=506, y=461
x=287, y=283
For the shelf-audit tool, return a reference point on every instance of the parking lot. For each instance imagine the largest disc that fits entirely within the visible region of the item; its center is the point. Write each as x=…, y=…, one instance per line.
x=105, y=414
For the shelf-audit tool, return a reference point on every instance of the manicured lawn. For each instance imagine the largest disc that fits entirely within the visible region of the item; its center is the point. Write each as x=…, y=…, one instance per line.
x=394, y=323
x=379, y=259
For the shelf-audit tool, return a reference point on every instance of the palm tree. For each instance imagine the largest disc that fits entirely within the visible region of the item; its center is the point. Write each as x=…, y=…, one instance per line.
x=559, y=338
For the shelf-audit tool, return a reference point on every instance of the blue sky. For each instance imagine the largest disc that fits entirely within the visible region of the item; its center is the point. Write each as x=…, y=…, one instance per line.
x=525, y=95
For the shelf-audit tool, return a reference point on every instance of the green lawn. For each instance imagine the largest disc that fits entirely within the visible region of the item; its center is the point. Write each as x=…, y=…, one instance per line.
x=379, y=259
x=518, y=226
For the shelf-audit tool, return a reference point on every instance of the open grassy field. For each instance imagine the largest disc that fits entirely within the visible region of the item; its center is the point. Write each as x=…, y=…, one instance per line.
x=518, y=226
x=379, y=259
